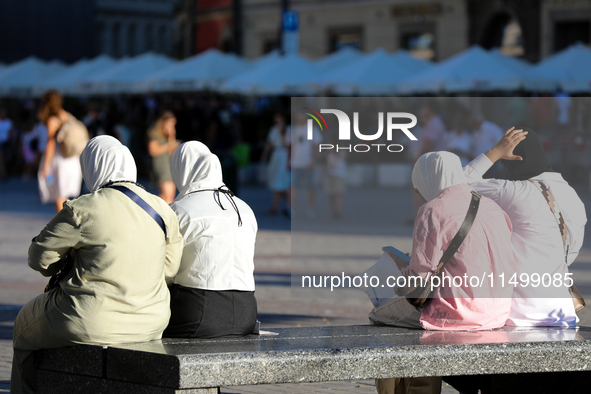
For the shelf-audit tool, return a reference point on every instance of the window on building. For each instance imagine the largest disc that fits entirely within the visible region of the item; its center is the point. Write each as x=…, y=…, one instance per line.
x=569, y=33
x=419, y=43
x=339, y=38
x=149, y=37
x=116, y=40
x=131, y=40
x=161, y=39
x=99, y=36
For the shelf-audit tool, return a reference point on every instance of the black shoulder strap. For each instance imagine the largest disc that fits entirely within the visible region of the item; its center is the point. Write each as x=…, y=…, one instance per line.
x=418, y=296
x=144, y=205
x=461, y=234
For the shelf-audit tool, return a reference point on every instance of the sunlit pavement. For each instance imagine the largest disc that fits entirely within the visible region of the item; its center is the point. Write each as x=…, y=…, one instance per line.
x=22, y=217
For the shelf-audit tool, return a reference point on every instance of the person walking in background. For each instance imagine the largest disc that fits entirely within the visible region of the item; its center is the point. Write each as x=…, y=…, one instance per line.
x=303, y=158
x=564, y=109
x=458, y=138
x=278, y=177
x=433, y=137
x=59, y=175
x=334, y=181
x=29, y=149
x=485, y=134
x=162, y=143
x=116, y=291
x=213, y=293
x=6, y=127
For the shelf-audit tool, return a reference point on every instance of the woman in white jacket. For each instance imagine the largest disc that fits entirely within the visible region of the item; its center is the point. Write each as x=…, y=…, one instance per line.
x=213, y=292
x=537, y=240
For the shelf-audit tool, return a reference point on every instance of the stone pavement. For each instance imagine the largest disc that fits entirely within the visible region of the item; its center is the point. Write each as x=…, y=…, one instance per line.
x=22, y=217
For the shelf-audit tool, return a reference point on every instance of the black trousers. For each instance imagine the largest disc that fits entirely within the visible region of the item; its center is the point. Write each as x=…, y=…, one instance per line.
x=197, y=313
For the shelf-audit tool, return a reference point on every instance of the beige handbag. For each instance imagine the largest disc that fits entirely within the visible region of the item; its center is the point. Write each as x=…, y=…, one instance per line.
x=578, y=300
x=72, y=137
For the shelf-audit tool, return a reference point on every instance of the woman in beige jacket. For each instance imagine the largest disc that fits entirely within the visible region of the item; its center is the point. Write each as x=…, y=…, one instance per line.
x=116, y=291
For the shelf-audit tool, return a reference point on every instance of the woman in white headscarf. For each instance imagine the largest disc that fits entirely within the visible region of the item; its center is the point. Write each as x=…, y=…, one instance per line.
x=213, y=292
x=116, y=290
x=438, y=178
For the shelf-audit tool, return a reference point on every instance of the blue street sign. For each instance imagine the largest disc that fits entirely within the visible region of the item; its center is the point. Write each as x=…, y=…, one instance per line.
x=290, y=21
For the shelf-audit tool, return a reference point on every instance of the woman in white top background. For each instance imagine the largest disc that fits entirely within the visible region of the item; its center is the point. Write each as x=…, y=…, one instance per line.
x=59, y=177
x=278, y=176
x=213, y=292
x=537, y=240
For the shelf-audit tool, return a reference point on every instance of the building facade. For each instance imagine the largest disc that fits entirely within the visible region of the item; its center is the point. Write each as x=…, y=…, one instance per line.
x=49, y=30
x=563, y=23
x=130, y=27
x=431, y=29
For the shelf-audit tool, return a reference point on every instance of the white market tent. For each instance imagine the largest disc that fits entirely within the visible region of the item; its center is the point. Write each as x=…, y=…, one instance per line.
x=66, y=81
x=262, y=60
x=518, y=65
x=126, y=76
x=377, y=73
x=207, y=70
x=291, y=74
x=569, y=70
x=18, y=79
x=341, y=58
x=474, y=70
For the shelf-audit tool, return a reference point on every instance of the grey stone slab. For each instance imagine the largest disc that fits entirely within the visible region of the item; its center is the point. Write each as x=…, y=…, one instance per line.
x=317, y=354
x=320, y=354
x=86, y=360
x=51, y=382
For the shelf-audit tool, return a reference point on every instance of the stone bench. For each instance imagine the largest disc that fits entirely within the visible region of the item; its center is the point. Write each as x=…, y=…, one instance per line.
x=320, y=354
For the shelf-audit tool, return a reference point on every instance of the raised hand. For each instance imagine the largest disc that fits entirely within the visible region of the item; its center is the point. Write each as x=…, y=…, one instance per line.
x=504, y=148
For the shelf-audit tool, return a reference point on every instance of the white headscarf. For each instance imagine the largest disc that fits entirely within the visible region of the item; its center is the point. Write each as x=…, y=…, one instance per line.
x=435, y=172
x=194, y=167
x=105, y=159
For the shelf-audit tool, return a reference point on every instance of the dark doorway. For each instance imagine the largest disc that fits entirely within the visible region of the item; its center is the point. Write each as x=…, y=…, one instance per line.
x=568, y=33
x=493, y=35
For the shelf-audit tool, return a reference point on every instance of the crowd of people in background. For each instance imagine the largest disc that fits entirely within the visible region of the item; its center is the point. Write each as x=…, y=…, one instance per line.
x=243, y=131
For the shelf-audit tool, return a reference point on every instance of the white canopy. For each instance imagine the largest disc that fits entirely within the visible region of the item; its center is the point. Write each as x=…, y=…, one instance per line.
x=569, y=69
x=289, y=74
x=373, y=74
x=518, y=65
x=341, y=58
x=19, y=78
x=207, y=70
x=472, y=70
x=66, y=81
x=269, y=57
x=126, y=76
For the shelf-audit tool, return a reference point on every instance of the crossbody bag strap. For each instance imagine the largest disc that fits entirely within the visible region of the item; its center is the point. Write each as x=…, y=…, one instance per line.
x=144, y=205
x=461, y=234
x=557, y=215
x=419, y=296
x=577, y=297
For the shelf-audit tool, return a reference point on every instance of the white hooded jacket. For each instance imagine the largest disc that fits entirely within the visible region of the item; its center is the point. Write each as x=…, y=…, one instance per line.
x=219, y=243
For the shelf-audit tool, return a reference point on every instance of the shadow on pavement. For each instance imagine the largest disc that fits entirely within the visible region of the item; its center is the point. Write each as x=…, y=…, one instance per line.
x=19, y=196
